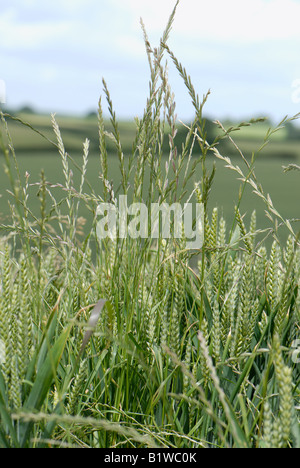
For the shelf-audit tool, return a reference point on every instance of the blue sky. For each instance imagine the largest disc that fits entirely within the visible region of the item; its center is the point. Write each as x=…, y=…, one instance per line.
x=54, y=53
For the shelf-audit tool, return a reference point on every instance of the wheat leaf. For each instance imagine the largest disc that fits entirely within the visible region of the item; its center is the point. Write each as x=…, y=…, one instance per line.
x=95, y=315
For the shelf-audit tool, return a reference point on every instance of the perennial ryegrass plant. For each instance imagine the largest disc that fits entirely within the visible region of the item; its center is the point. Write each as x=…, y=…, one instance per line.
x=133, y=342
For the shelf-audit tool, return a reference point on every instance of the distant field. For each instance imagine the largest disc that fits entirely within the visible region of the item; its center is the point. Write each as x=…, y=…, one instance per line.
x=122, y=331
x=35, y=153
x=76, y=129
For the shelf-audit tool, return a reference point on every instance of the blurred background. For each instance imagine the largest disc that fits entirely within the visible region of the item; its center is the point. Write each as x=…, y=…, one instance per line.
x=53, y=55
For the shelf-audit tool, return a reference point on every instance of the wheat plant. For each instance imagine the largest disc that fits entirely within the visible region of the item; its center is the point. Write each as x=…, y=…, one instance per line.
x=177, y=353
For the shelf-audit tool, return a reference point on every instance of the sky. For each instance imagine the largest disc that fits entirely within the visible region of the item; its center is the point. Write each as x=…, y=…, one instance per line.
x=54, y=53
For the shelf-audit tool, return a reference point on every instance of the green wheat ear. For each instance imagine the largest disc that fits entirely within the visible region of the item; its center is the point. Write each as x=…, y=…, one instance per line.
x=277, y=429
x=272, y=274
x=76, y=388
x=5, y=311
x=178, y=356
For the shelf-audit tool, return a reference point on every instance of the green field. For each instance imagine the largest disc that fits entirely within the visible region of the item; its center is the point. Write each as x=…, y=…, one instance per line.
x=35, y=152
x=142, y=341
x=181, y=350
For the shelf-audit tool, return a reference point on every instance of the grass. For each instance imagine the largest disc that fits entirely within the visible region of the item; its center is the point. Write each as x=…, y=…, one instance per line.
x=283, y=188
x=35, y=153
x=141, y=342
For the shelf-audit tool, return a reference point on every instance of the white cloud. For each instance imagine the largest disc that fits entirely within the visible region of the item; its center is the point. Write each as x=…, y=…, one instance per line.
x=2, y=92
x=246, y=21
x=129, y=45
x=48, y=73
x=30, y=35
x=230, y=46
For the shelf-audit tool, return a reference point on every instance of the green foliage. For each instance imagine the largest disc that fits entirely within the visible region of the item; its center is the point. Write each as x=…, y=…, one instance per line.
x=142, y=342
